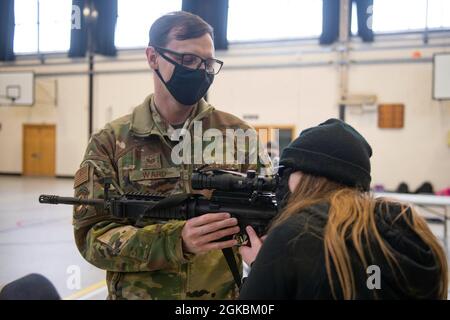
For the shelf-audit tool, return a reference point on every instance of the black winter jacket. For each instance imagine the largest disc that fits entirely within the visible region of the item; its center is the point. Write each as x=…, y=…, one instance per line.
x=291, y=262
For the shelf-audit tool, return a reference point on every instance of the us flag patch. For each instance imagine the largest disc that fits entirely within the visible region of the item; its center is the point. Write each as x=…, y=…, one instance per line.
x=81, y=176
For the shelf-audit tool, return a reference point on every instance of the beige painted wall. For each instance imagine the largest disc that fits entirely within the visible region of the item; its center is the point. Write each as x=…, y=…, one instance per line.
x=293, y=91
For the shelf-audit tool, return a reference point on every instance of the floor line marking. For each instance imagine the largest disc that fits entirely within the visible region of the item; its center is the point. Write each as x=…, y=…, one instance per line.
x=86, y=290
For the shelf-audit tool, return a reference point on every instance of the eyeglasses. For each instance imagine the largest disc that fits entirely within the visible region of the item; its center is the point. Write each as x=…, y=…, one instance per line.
x=192, y=61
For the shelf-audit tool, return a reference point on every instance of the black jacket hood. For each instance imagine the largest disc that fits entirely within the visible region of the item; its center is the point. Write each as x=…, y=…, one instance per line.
x=417, y=274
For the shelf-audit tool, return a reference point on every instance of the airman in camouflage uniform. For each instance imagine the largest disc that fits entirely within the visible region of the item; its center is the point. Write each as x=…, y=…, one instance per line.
x=159, y=259
x=147, y=262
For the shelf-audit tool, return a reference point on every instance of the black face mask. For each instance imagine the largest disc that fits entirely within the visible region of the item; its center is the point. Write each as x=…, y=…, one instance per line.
x=186, y=85
x=282, y=193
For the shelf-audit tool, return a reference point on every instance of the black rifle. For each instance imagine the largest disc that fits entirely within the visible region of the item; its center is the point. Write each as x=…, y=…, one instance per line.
x=247, y=197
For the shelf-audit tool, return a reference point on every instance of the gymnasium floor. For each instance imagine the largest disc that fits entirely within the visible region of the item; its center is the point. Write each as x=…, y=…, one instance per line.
x=36, y=238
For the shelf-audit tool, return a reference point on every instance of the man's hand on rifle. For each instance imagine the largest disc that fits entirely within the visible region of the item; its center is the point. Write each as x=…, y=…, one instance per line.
x=200, y=234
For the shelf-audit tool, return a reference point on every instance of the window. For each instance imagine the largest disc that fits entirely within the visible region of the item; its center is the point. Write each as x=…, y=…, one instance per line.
x=399, y=15
x=55, y=25
x=354, y=19
x=25, y=32
x=135, y=18
x=273, y=19
x=52, y=33
x=404, y=15
x=438, y=14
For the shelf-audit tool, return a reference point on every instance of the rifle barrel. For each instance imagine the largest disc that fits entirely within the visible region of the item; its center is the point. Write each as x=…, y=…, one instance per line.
x=52, y=199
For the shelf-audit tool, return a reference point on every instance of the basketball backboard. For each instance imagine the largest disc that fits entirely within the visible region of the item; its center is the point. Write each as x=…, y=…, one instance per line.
x=17, y=88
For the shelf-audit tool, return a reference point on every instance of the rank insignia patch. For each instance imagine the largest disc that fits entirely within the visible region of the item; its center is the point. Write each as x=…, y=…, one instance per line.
x=152, y=161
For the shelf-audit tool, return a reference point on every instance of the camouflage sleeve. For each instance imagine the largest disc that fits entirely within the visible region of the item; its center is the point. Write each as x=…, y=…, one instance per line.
x=110, y=243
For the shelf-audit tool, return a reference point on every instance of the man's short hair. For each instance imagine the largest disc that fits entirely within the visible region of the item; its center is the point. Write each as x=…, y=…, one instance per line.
x=185, y=26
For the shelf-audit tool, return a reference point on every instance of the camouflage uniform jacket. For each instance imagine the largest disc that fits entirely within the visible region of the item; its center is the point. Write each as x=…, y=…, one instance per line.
x=147, y=262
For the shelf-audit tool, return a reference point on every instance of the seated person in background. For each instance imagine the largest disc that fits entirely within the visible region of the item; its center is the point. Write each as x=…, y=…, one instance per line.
x=332, y=239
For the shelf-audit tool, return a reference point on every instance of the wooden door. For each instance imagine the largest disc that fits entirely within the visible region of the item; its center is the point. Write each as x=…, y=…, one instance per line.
x=285, y=134
x=39, y=150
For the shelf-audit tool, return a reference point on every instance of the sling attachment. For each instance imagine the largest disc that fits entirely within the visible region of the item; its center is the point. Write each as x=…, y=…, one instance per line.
x=231, y=261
